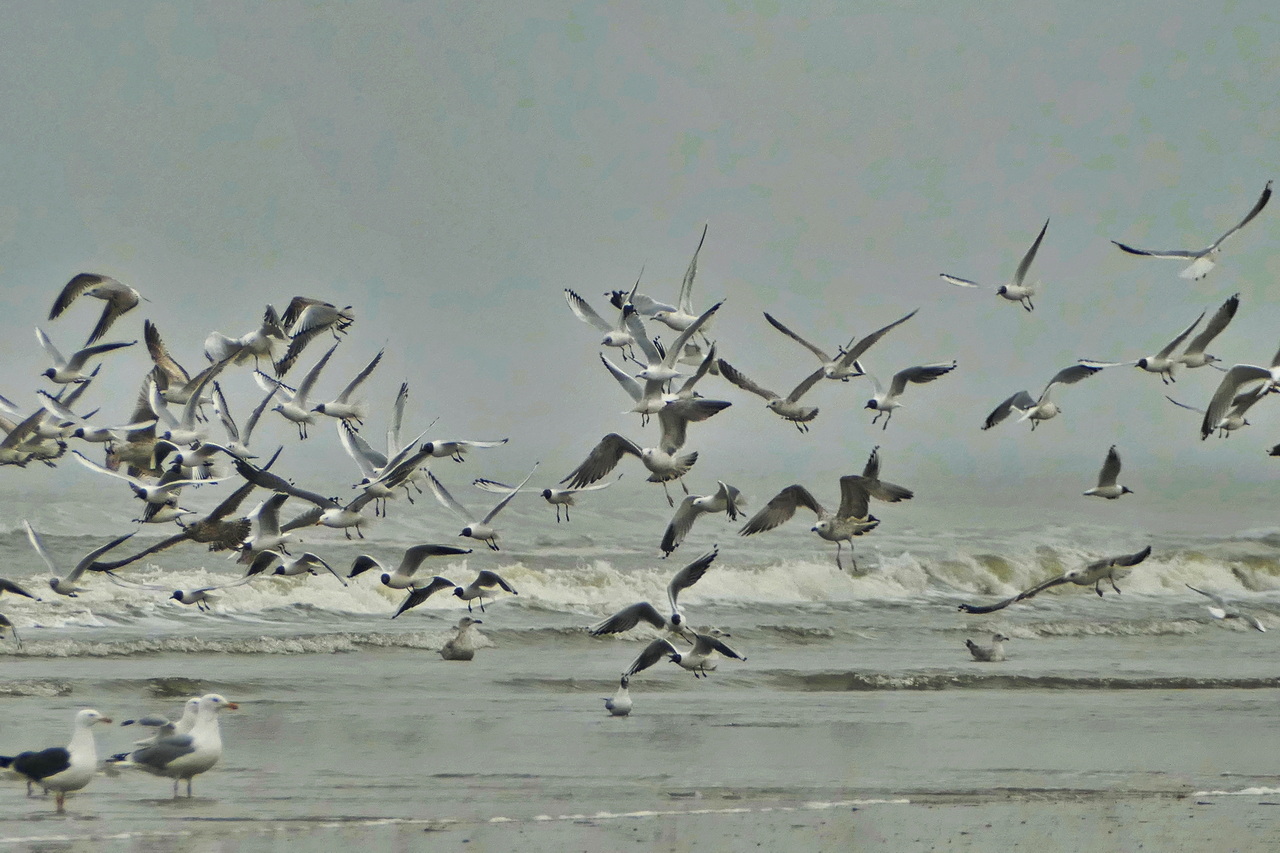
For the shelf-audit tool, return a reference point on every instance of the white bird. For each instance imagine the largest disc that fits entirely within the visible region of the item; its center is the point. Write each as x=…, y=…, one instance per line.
x=82, y=429
x=484, y=584
x=293, y=406
x=184, y=756
x=663, y=461
x=661, y=366
x=844, y=366
x=617, y=334
x=404, y=575
x=263, y=342
x=455, y=448
x=238, y=439
x=204, y=597
x=554, y=496
x=341, y=406
x=651, y=396
x=62, y=769
x=850, y=519
x=884, y=402
x=1107, y=486
x=1194, y=355
x=304, y=564
x=119, y=298
x=1043, y=408
x=1220, y=609
x=1093, y=574
x=988, y=654
x=68, y=585
x=305, y=318
x=1016, y=290
x=789, y=407
x=1162, y=363
x=163, y=726
x=1232, y=385
x=725, y=498
x=1234, y=418
x=677, y=317
x=161, y=492
x=184, y=429
x=1203, y=260
x=632, y=615
x=699, y=660
x=619, y=705
x=68, y=370
x=476, y=529
x=463, y=645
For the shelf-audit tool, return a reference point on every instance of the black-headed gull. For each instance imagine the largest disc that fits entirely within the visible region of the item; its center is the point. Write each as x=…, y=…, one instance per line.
x=480, y=529
x=850, y=519
x=1220, y=609
x=677, y=317
x=554, y=496
x=404, y=575
x=1162, y=363
x=1194, y=355
x=304, y=319
x=789, y=407
x=1107, y=486
x=1043, y=408
x=699, y=660
x=844, y=366
x=884, y=402
x=119, y=298
x=68, y=370
x=341, y=406
x=1260, y=380
x=293, y=406
x=725, y=498
x=1203, y=260
x=619, y=704
x=1016, y=290
x=632, y=615
x=68, y=585
x=62, y=769
x=263, y=342
x=1234, y=418
x=1093, y=574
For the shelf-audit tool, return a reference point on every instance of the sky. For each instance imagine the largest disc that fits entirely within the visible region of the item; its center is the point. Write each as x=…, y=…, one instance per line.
x=448, y=169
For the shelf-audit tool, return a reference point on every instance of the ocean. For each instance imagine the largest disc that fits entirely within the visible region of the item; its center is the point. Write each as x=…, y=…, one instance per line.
x=857, y=695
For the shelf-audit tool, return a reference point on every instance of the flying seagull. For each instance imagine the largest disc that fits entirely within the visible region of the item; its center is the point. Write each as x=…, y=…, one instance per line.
x=1016, y=290
x=850, y=519
x=1107, y=486
x=119, y=298
x=1093, y=574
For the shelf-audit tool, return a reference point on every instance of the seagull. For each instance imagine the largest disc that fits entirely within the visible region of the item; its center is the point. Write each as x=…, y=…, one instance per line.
x=482, y=586
x=1220, y=609
x=184, y=429
x=341, y=406
x=618, y=334
x=988, y=654
x=849, y=520
x=172, y=380
x=877, y=488
x=68, y=370
x=202, y=597
x=294, y=406
x=1203, y=260
x=263, y=342
x=554, y=496
x=403, y=576
x=698, y=660
x=265, y=533
x=304, y=319
x=119, y=298
x=1042, y=409
x=481, y=529
x=159, y=493
x=661, y=366
x=184, y=756
x=652, y=396
x=884, y=403
x=462, y=646
x=845, y=365
x=789, y=407
x=1093, y=574
x=1162, y=363
x=628, y=617
x=1107, y=486
x=619, y=705
x=1194, y=355
x=725, y=498
x=85, y=430
x=164, y=727
x=455, y=448
x=62, y=769
x=1014, y=291
x=1229, y=389
x=662, y=461
x=677, y=317
x=67, y=586
x=304, y=564
x=238, y=439
x=1234, y=418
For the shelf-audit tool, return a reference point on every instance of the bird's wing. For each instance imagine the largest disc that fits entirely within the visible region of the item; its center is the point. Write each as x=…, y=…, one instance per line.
x=1230, y=385
x=781, y=508
x=603, y=458
x=1123, y=561
x=414, y=556
x=1164, y=253
x=1212, y=596
x=94, y=466
x=728, y=371
x=1030, y=256
x=680, y=525
x=652, y=653
x=419, y=594
x=316, y=558
x=359, y=450
x=164, y=751
x=49, y=348
x=1110, y=469
x=1071, y=375
x=674, y=420
x=627, y=618
x=502, y=503
x=957, y=281
x=690, y=575
x=488, y=578
x=626, y=380
x=397, y=418
x=918, y=375
x=677, y=347
x=1216, y=324
x=1020, y=401
x=585, y=312
x=705, y=644
x=276, y=483
x=11, y=587
x=813, y=348
x=854, y=497
x=686, y=388
x=1257, y=208
x=360, y=377
x=224, y=413
x=805, y=384
x=78, y=285
x=309, y=381
x=635, y=325
x=88, y=561
x=1176, y=342
x=38, y=544
x=78, y=360
x=1183, y=405
x=160, y=354
x=866, y=343
x=446, y=500
x=685, y=299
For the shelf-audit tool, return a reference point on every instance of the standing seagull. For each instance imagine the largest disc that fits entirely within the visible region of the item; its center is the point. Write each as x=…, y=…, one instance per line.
x=1203, y=260
x=62, y=769
x=119, y=298
x=885, y=402
x=619, y=705
x=1042, y=409
x=988, y=654
x=184, y=756
x=481, y=529
x=849, y=520
x=1014, y=291
x=725, y=498
x=1093, y=574
x=1107, y=486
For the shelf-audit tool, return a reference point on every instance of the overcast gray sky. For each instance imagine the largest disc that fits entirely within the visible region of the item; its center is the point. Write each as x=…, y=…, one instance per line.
x=448, y=169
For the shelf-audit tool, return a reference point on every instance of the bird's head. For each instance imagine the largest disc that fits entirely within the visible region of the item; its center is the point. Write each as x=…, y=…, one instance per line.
x=871, y=404
x=319, y=408
x=1002, y=290
x=820, y=526
x=386, y=579
x=177, y=595
x=457, y=590
x=1142, y=363
x=546, y=494
x=1125, y=490
x=466, y=531
x=676, y=657
x=50, y=373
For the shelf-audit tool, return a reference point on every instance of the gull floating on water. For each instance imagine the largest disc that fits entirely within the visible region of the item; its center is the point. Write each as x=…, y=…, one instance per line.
x=619, y=705
x=1107, y=486
x=1093, y=574
x=1203, y=260
x=988, y=654
x=462, y=646
x=62, y=769
x=1016, y=290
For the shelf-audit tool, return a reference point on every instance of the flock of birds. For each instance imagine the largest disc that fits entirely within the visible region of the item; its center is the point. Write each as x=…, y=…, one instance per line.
x=168, y=444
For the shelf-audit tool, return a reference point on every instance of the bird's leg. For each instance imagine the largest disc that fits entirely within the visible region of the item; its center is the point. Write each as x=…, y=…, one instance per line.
x=566, y=512
x=557, y=513
x=839, y=565
x=347, y=533
x=189, y=787
x=482, y=604
x=61, y=800
x=359, y=532
x=1097, y=587
x=683, y=486
x=670, y=500
x=1113, y=585
x=493, y=546
x=175, y=789
x=887, y=418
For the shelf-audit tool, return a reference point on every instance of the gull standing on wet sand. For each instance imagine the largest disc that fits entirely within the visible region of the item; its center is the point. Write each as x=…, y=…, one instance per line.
x=62, y=769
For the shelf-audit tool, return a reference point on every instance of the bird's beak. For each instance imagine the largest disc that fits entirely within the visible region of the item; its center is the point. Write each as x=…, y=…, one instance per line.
x=104, y=719
x=232, y=706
